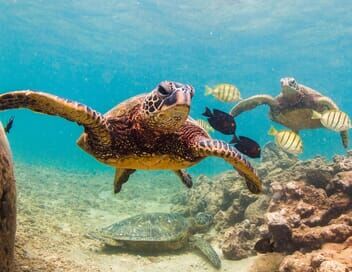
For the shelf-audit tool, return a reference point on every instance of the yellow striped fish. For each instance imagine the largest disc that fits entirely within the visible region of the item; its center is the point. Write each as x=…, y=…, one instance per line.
x=287, y=140
x=333, y=119
x=224, y=92
x=205, y=125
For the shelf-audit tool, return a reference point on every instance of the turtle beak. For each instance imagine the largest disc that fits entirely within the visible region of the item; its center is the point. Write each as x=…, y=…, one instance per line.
x=181, y=96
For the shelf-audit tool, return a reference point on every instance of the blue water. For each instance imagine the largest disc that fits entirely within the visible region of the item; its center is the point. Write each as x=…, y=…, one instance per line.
x=100, y=53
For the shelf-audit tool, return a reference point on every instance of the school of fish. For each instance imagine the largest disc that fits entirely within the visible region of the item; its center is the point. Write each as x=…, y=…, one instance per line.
x=287, y=140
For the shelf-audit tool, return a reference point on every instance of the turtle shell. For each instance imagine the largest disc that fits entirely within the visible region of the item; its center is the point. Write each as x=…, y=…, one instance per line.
x=149, y=227
x=125, y=106
x=297, y=114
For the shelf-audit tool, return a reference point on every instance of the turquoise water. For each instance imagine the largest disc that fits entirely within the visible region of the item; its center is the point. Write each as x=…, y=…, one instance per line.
x=100, y=53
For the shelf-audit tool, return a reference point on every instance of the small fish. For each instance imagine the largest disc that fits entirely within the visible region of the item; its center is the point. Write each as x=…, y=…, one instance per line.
x=246, y=146
x=333, y=119
x=264, y=245
x=287, y=140
x=221, y=121
x=224, y=92
x=205, y=125
x=9, y=124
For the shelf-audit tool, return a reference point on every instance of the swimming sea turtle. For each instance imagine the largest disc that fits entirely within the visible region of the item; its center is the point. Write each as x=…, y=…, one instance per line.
x=158, y=232
x=149, y=131
x=293, y=107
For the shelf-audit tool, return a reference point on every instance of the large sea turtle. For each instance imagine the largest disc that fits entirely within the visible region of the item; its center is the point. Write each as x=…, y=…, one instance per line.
x=149, y=131
x=293, y=107
x=158, y=232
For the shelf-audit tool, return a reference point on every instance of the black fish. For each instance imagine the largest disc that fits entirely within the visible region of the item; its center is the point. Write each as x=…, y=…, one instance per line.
x=246, y=146
x=9, y=124
x=264, y=245
x=221, y=121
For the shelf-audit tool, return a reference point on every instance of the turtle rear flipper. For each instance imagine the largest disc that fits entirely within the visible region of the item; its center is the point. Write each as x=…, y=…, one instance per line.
x=185, y=178
x=93, y=122
x=207, y=250
x=344, y=138
x=121, y=177
x=251, y=103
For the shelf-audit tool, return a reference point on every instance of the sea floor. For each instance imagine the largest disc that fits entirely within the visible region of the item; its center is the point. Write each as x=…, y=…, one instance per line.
x=56, y=208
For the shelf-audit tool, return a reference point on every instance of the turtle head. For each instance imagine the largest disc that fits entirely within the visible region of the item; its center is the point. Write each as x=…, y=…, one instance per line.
x=167, y=106
x=289, y=86
x=201, y=222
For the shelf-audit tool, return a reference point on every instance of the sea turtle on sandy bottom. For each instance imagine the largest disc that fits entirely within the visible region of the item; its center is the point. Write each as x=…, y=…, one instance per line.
x=149, y=131
x=293, y=107
x=151, y=232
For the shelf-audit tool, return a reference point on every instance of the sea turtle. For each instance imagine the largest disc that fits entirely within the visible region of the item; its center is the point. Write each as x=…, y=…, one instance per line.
x=159, y=232
x=293, y=107
x=149, y=131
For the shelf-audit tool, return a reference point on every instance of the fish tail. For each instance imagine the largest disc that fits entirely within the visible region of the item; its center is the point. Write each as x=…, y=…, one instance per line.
x=316, y=115
x=234, y=139
x=208, y=90
x=207, y=112
x=272, y=131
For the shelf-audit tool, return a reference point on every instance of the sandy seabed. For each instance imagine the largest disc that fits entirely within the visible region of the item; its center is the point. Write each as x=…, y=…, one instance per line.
x=56, y=208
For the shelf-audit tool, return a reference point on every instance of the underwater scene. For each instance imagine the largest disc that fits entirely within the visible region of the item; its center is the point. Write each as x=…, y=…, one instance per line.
x=175, y=136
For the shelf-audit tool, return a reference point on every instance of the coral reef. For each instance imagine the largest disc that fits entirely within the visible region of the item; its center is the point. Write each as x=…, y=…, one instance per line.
x=238, y=214
x=310, y=216
x=305, y=213
x=7, y=205
x=332, y=257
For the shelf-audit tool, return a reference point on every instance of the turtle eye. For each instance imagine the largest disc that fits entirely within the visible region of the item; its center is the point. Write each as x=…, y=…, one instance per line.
x=162, y=90
x=292, y=81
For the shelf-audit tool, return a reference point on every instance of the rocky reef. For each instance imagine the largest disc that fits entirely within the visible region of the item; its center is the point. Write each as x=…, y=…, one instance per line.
x=7, y=205
x=309, y=217
x=305, y=213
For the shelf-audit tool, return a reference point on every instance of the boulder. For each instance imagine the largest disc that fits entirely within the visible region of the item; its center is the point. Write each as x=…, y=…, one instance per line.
x=7, y=205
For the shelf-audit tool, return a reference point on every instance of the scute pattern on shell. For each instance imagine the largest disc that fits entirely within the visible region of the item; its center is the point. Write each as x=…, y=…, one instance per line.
x=125, y=106
x=149, y=227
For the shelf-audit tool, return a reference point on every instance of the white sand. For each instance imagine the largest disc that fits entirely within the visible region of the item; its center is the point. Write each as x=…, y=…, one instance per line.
x=56, y=208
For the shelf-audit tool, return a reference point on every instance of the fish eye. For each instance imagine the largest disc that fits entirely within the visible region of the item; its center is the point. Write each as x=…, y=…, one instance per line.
x=162, y=90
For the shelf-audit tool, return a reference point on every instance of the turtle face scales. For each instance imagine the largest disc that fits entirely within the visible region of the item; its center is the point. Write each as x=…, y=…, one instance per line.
x=167, y=106
x=289, y=86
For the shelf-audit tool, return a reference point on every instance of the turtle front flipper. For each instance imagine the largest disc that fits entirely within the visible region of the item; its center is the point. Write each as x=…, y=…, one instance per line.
x=185, y=178
x=93, y=122
x=251, y=103
x=210, y=147
x=330, y=105
x=207, y=250
x=121, y=177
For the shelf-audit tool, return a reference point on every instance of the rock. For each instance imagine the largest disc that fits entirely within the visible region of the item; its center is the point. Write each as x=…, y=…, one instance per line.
x=332, y=257
x=334, y=266
x=7, y=205
x=342, y=182
x=343, y=163
x=225, y=196
x=239, y=240
x=254, y=212
x=310, y=216
x=267, y=263
x=296, y=263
